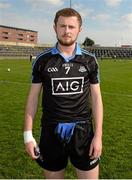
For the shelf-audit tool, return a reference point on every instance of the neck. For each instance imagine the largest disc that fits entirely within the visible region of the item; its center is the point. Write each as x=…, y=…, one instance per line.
x=67, y=50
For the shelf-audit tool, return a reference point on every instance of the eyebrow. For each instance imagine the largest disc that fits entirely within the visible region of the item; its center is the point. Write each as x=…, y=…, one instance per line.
x=66, y=25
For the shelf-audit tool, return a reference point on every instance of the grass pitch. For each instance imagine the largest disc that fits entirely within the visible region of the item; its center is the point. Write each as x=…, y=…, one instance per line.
x=116, y=86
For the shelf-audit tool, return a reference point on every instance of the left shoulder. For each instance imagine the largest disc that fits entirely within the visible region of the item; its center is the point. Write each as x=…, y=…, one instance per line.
x=87, y=53
x=89, y=56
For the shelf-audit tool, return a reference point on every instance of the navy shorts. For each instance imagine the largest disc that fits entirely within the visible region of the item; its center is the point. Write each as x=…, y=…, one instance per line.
x=55, y=154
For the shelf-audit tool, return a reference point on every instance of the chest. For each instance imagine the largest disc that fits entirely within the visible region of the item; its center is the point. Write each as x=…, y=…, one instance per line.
x=65, y=78
x=61, y=69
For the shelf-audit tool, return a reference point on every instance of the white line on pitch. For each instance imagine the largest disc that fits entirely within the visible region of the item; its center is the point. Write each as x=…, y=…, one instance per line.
x=12, y=82
x=109, y=93
x=117, y=94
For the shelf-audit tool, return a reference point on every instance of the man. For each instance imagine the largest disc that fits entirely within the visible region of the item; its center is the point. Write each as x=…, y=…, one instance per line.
x=69, y=77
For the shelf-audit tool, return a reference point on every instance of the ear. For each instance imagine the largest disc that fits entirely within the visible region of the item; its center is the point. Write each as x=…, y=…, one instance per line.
x=54, y=27
x=80, y=29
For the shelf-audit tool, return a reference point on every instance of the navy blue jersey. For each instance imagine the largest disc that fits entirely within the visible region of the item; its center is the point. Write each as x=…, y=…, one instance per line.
x=66, y=84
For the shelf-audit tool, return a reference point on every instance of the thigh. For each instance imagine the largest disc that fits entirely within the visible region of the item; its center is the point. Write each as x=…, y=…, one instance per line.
x=80, y=146
x=91, y=174
x=52, y=150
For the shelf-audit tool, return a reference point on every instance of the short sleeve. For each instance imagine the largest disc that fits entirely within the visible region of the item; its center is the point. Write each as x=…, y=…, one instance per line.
x=36, y=73
x=94, y=71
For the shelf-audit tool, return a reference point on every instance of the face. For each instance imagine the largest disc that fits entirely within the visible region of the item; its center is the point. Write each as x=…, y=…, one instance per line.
x=67, y=30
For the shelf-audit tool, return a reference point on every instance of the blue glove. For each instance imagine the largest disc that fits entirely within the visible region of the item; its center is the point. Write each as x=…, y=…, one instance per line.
x=65, y=131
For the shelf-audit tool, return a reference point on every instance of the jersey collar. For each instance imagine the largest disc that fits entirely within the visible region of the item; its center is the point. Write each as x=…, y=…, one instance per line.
x=77, y=50
x=67, y=59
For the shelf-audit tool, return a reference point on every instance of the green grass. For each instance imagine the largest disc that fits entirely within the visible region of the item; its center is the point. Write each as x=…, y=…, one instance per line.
x=116, y=86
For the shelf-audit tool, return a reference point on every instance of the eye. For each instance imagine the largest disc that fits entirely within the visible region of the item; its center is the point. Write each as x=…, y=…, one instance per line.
x=71, y=27
x=62, y=25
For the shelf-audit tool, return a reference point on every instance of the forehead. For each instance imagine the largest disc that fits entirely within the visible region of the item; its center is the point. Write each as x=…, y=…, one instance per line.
x=68, y=20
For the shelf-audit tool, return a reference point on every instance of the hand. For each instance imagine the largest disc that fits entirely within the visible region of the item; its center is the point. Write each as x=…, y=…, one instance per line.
x=30, y=149
x=95, y=148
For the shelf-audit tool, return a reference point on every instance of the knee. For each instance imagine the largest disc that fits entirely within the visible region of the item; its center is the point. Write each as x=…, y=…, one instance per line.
x=54, y=174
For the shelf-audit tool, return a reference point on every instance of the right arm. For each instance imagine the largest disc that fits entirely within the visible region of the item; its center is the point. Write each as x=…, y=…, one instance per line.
x=30, y=111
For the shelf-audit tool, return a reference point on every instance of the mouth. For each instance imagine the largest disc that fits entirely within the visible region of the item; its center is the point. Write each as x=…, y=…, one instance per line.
x=66, y=36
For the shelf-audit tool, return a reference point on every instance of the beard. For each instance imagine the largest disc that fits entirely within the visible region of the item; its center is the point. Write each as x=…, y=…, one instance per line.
x=66, y=43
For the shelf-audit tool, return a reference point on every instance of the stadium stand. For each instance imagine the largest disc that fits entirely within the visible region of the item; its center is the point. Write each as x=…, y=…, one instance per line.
x=111, y=52
x=19, y=51
x=99, y=52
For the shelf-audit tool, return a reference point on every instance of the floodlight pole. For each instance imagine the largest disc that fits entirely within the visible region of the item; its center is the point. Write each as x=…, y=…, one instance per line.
x=70, y=3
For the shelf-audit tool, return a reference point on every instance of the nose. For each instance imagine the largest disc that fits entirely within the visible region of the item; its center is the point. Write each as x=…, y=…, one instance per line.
x=66, y=29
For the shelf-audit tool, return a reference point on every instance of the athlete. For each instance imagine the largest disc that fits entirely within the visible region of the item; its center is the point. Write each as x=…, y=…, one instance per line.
x=71, y=101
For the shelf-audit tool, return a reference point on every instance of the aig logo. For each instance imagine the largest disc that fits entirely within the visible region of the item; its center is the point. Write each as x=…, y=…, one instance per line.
x=52, y=69
x=67, y=86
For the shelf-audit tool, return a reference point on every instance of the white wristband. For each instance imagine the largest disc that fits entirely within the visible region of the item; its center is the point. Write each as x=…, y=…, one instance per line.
x=28, y=137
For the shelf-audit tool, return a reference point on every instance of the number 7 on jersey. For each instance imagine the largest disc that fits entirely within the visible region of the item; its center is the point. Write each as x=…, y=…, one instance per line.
x=67, y=69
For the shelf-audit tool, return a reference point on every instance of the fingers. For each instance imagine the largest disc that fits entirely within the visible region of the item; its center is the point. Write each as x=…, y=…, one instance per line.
x=95, y=154
x=95, y=150
x=30, y=150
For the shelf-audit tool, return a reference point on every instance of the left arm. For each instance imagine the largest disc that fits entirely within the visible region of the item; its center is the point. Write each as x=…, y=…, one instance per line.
x=97, y=110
